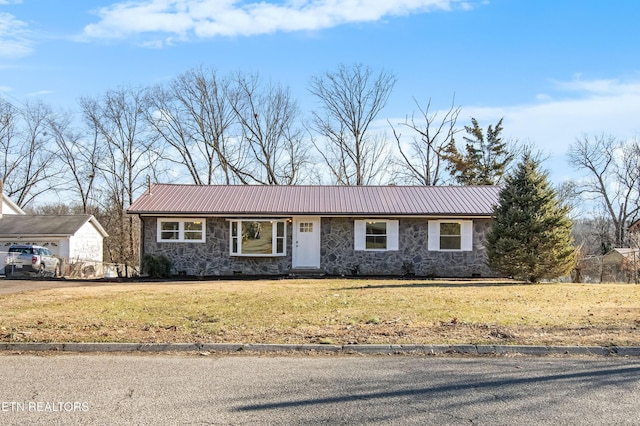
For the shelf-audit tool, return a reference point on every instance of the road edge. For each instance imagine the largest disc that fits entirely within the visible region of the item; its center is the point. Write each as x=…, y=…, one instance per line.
x=619, y=351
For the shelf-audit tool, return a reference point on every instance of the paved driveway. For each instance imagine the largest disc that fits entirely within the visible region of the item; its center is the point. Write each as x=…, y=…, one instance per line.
x=8, y=286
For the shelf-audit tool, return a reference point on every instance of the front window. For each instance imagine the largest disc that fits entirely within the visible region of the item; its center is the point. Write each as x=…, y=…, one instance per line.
x=181, y=230
x=193, y=230
x=450, y=236
x=169, y=231
x=376, y=236
x=257, y=237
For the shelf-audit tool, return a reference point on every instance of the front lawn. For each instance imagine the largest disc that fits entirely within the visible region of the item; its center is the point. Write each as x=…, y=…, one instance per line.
x=338, y=311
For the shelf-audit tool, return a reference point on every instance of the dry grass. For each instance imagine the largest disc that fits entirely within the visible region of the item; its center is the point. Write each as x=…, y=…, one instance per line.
x=339, y=311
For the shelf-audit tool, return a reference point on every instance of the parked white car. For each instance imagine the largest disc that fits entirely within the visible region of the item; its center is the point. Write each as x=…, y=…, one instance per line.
x=31, y=259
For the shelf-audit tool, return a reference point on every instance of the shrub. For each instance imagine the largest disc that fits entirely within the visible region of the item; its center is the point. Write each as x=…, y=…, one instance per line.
x=156, y=266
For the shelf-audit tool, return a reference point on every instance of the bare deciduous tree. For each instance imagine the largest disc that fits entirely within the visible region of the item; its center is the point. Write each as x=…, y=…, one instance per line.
x=350, y=100
x=612, y=177
x=193, y=116
x=117, y=118
x=80, y=154
x=268, y=119
x=8, y=141
x=421, y=158
x=28, y=170
x=593, y=234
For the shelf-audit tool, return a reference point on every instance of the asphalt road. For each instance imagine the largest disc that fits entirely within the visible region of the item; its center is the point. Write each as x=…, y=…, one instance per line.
x=324, y=389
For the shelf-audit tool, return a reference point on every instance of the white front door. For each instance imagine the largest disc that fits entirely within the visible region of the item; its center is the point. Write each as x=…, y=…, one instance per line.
x=306, y=242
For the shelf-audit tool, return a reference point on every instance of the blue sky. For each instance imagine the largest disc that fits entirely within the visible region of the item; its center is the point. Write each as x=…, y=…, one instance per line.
x=555, y=70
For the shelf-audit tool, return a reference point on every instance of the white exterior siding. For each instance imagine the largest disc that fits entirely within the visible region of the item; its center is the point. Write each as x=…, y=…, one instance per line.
x=86, y=244
x=63, y=248
x=9, y=207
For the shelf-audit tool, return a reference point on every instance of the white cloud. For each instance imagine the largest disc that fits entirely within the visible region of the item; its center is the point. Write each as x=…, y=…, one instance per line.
x=40, y=93
x=598, y=87
x=596, y=107
x=13, y=36
x=210, y=18
x=552, y=123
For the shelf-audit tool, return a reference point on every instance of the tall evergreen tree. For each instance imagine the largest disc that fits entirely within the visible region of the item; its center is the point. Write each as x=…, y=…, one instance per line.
x=484, y=160
x=530, y=237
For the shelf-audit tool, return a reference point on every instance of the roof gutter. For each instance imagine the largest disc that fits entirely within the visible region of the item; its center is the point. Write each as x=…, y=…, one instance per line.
x=341, y=215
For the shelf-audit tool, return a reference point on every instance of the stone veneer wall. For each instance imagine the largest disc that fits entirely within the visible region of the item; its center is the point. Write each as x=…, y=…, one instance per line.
x=212, y=258
x=337, y=256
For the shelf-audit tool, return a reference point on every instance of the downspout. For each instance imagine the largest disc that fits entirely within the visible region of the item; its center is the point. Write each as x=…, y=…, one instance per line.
x=141, y=248
x=142, y=231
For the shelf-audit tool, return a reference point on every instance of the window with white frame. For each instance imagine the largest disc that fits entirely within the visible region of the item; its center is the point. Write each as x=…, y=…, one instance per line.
x=376, y=234
x=450, y=235
x=257, y=237
x=181, y=230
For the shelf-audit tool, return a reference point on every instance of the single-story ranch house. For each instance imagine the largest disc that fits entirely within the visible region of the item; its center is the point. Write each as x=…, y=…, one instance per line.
x=338, y=230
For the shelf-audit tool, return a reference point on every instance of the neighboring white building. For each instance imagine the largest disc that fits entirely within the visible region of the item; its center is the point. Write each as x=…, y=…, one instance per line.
x=9, y=207
x=76, y=237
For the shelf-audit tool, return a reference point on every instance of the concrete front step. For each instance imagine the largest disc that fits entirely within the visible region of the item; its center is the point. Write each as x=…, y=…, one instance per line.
x=307, y=272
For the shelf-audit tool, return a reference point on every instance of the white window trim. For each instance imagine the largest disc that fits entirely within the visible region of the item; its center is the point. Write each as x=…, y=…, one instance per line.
x=181, y=222
x=274, y=238
x=360, y=234
x=466, y=235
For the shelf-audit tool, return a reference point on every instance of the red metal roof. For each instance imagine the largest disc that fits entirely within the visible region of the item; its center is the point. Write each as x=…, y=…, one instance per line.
x=316, y=200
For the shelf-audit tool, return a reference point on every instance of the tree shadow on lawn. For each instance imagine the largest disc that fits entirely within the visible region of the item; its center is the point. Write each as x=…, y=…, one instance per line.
x=436, y=284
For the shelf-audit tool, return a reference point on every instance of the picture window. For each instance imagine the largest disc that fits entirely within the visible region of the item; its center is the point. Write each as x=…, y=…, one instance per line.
x=258, y=237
